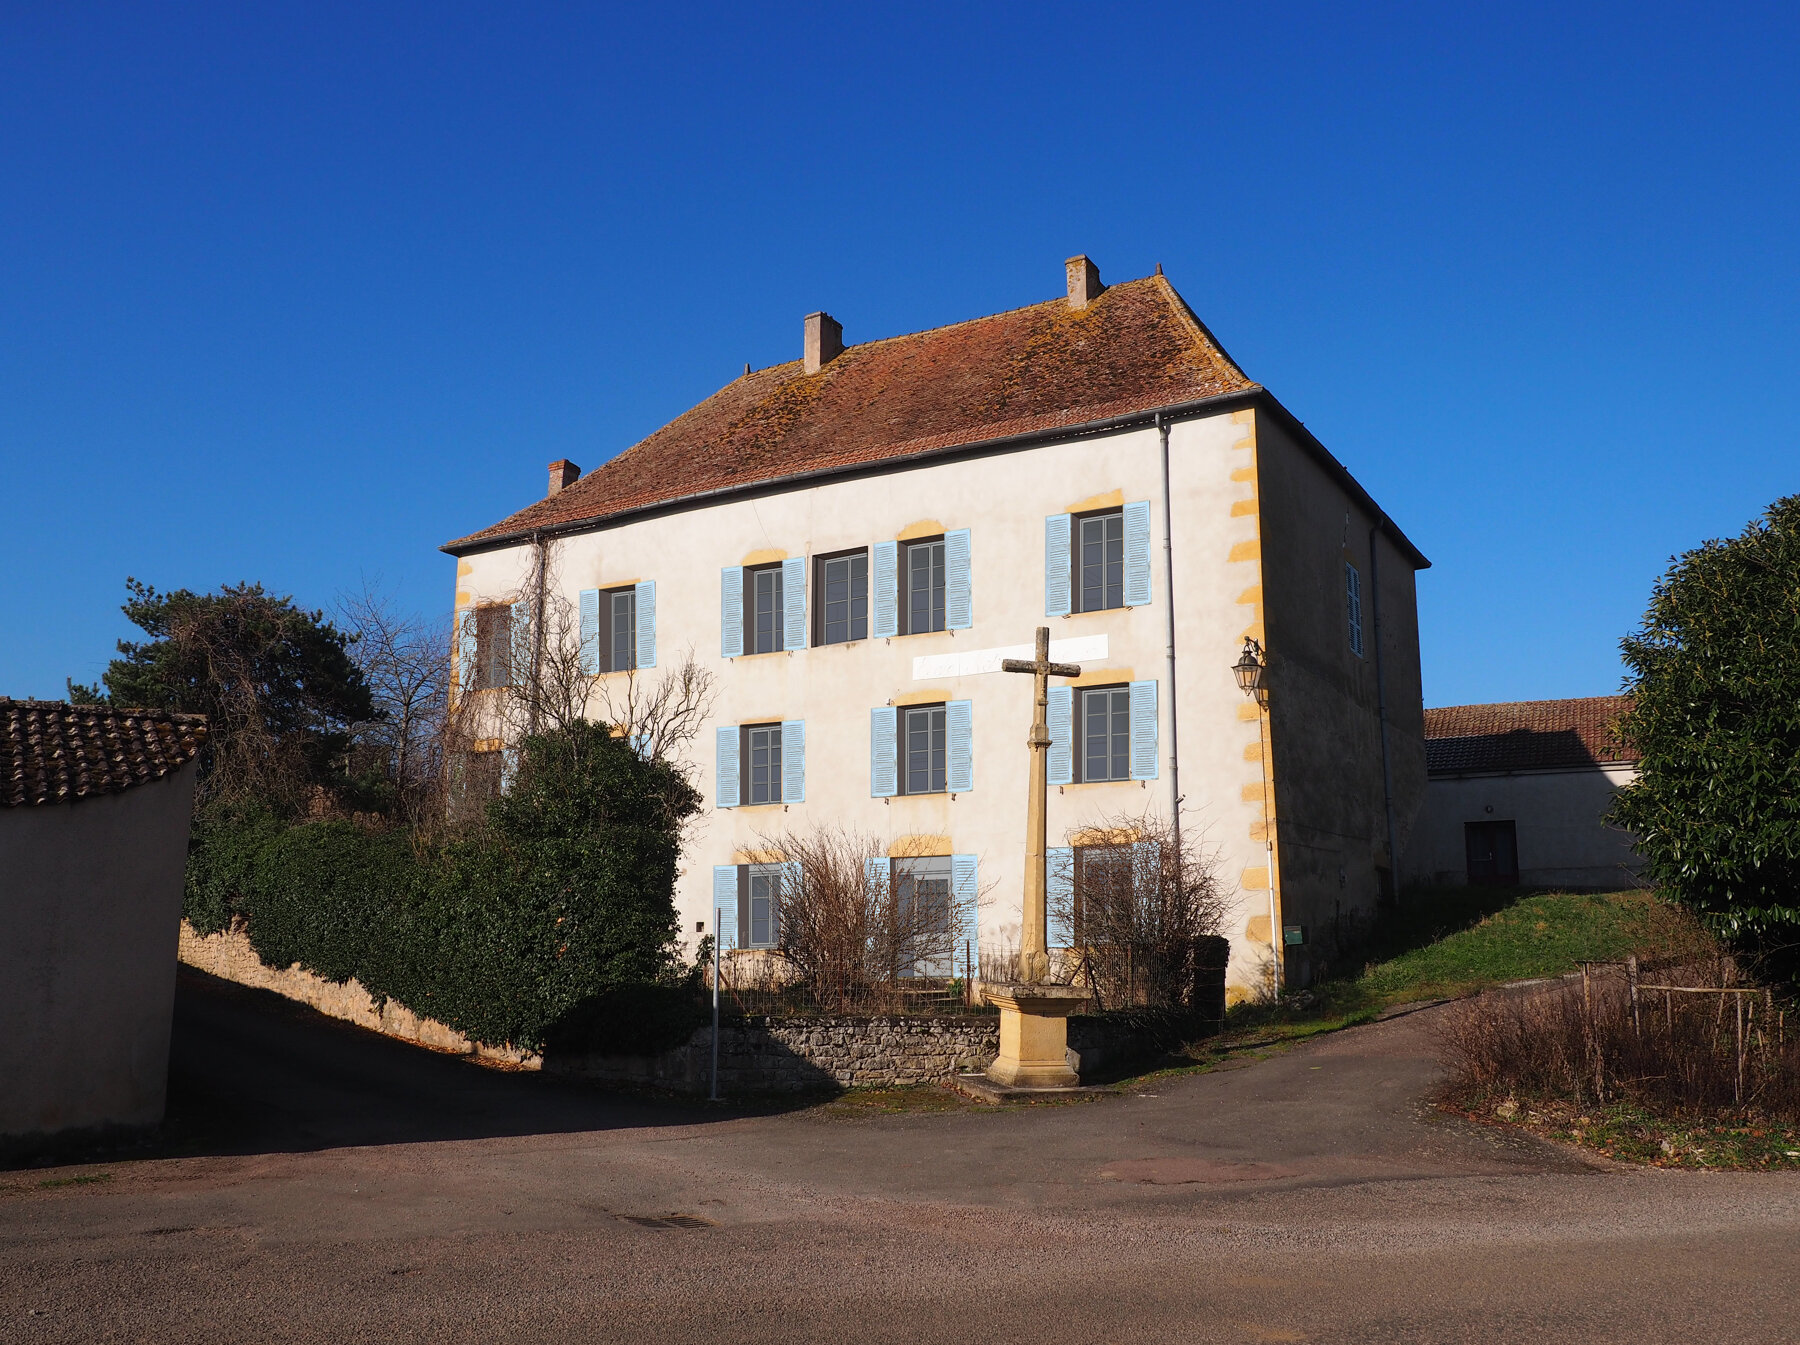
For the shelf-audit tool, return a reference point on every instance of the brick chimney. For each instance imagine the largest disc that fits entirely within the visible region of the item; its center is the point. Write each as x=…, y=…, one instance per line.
x=562, y=473
x=1084, y=282
x=824, y=341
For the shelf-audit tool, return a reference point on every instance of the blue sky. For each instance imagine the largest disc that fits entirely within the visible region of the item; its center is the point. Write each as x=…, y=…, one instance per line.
x=298, y=292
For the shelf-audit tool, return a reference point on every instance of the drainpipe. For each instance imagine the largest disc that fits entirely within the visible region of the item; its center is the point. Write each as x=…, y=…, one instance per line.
x=541, y=582
x=1387, y=769
x=1162, y=427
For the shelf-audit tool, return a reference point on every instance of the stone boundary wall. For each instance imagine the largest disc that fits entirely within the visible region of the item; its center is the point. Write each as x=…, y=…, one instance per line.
x=230, y=957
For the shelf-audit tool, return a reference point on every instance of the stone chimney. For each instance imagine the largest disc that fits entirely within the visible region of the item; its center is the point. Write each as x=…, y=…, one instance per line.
x=824, y=341
x=562, y=473
x=1084, y=282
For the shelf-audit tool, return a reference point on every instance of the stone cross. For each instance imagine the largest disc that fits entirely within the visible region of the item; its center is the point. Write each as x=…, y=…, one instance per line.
x=1034, y=936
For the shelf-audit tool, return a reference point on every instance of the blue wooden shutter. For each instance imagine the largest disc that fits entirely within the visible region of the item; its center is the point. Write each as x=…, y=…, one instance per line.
x=1137, y=554
x=646, y=624
x=509, y=768
x=793, y=603
x=727, y=768
x=465, y=649
x=793, y=761
x=1056, y=565
x=725, y=902
x=959, y=610
x=884, y=780
x=959, y=754
x=884, y=592
x=1060, y=712
x=523, y=654
x=1143, y=731
x=590, y=631
x=731, y=611
x=1059, y=895
x=790, y=882
x=875, y=876
x=965, y=891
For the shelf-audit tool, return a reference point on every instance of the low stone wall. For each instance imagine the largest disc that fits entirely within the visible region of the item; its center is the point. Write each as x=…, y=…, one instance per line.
x=791, y=1055
x=229, y=956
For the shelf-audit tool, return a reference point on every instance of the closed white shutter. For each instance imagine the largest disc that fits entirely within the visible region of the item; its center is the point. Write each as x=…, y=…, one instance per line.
x=875, y=876
x=1143, y=731
x=726, y=770
x=884, y=591
x=793, y=603
x=793, y=761
x=465, y=650
x=1056, y=565
x=524, y=654
x=965, y=892
x=959, y=734
x=884, y=779
x=959, y=610
x=1059, y=895
x=1137, y=553
x=646, y=624
x=731, y=611
x=590, y=631
x=1059, y=710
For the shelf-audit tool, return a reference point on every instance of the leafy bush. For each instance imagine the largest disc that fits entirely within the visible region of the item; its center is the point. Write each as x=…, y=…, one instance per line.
x=565, y=895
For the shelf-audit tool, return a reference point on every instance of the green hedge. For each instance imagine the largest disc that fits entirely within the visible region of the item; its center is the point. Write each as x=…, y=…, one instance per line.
x=551, y=921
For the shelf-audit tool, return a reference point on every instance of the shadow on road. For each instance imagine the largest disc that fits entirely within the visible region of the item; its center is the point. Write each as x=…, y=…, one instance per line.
x=252, y=1072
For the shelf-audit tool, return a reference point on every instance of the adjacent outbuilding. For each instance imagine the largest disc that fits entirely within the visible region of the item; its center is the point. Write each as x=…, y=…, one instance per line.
x=95, y=804
x=1517, y=794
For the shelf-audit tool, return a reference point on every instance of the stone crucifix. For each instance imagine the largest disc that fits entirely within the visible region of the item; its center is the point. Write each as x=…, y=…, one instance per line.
x=1034, y=936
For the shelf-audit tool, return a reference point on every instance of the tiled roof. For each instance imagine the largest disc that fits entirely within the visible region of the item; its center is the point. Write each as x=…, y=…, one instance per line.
x=51, y=752
x=1524, y=736
x=1134, y=349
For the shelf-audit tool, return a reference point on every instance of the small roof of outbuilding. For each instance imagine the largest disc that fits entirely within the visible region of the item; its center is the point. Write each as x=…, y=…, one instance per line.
x=53, y=752
x=1526, y=736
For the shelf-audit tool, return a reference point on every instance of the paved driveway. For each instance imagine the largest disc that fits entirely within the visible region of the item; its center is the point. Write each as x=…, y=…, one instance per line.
x=339, y=1187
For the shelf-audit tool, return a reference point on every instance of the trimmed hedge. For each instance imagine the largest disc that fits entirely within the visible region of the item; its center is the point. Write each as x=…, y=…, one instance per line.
x=559, y=913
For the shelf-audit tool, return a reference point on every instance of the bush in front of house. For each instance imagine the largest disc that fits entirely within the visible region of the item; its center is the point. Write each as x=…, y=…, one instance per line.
x=1715, y=713
x=564, y=898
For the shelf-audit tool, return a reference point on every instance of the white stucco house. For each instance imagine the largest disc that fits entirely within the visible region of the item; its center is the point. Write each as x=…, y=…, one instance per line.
x=1518, y=794
x=94, y=811
x=851, y=542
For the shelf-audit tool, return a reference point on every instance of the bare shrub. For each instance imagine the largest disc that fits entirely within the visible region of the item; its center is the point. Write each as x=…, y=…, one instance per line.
x=406, y=664
x=1688, y=1051
x=1137, y=898
x=852, y=936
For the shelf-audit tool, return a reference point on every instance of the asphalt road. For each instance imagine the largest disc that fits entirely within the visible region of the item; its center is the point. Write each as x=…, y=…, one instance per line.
x=327, y=1185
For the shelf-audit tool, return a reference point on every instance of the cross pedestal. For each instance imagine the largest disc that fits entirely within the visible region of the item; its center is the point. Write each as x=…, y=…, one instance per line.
x=1034, y=1035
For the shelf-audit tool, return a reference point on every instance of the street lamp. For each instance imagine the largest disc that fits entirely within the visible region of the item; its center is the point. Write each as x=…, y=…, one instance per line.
x=1252, y=664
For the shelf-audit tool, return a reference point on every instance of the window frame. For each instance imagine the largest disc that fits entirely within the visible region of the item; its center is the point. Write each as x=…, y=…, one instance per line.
x=901, y=872
x=751, y=574
x=747, y=877
x=609, y=615
x=1076, y=524
x=1081, y=857
x=493, y=646
x=1078, y=732
x=821, y=604
x=747, y=765
x=903, y=580
x=902, y=769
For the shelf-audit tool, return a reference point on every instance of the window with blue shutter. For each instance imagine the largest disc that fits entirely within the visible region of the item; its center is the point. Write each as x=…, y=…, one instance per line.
x=959, y=610
x=965, y=889
x=875, y=876
x=731, y=611
x=793, y=600
x=793, y=761
x=884, y=732
x=646, y=624
x=1143, y=731
x=1137, y=554
x=885, y=590
x=1059, y=896
x=1056, y=565
x=725, y=903
x=465, y=650
x=1060, y=712
x=959, y=720
x=590, y=631
x=759, y=906
x=726, y=770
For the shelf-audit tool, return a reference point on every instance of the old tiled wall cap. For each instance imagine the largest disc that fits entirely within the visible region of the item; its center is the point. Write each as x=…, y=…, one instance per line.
x=1526, y=736
x=53, y=752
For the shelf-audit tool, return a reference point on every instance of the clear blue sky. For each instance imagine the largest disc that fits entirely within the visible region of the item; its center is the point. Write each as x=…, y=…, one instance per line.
x=298, y=292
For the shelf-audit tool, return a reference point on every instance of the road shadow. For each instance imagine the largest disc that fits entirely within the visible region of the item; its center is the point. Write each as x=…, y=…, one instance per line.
x=252, y=1072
